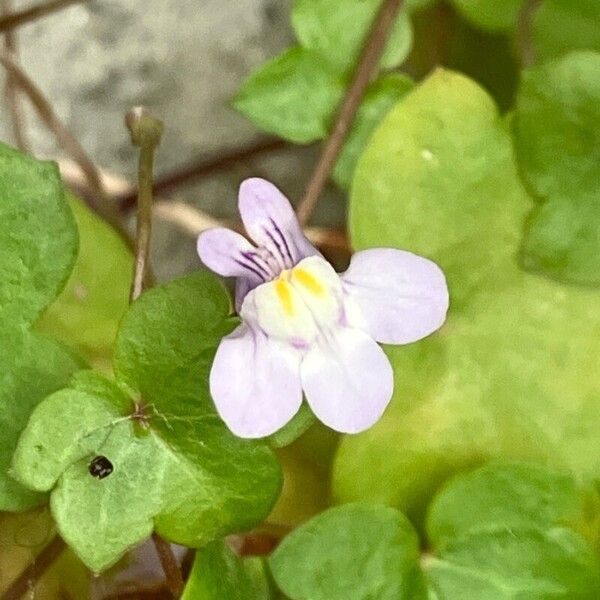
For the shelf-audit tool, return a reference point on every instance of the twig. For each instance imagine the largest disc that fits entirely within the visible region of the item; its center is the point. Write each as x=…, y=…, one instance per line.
x=10, y=87
x=369, y=59
x=101, y=203
x=523, y=36
x=146, y=132
x=194, y=221
x=201, y=169
x=24, y=582
x=170, y=565
x=16, y=19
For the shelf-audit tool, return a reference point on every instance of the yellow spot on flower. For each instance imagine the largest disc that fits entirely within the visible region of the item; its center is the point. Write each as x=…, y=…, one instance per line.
x=310, y=282
x=282, y=288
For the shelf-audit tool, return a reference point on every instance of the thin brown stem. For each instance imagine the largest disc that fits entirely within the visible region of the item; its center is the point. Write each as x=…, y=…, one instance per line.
x=194, y=221
x=170, y=565
x=203, y=168
x=369, y=59
x=28, y=578
x=22, y=17
x=524, y=37
x=10, y=87
x=146, y=132
x=101, y=203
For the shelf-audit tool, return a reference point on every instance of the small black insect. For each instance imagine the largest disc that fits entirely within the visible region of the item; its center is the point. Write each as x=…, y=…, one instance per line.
x=100, y=467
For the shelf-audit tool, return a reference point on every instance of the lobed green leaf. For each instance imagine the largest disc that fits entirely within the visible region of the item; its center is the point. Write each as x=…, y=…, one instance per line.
x=557, y=137
x=512, y=373
x=38, y=236
x=177, y=469
x=294, y=96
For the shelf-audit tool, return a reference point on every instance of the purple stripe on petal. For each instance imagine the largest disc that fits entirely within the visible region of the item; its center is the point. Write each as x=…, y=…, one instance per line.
x=255, y=383
x=395, y=296
x=222, y=251
x=348, y=381
x=268, y=217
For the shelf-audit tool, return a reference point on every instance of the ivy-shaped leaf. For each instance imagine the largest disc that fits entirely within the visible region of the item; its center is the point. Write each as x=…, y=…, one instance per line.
x=509, y=550
x=557, y=137
x=294, y=96
x=38, y=245
x=513, y=373
x=87, y=313
x=176, y=468
x=352, y=552
x=561, y=26
x=218, y=574
x=524, y=538
x=38, y=237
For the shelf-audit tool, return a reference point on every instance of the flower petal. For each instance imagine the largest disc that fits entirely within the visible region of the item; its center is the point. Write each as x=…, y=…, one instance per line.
x=271, y=222
x=255, y=383
x=229, y=254
x=349, y=382
x=396, y=297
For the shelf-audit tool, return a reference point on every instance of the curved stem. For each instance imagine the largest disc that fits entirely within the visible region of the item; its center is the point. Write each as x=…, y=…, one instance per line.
x=203, y=168
x=21, y=17
x=101, y=204
x=170, y=565
x=19, y=587
x=10, y=87
x=369, y=59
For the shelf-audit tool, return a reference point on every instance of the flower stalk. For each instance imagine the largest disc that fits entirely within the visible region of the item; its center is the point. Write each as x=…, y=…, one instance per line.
x=146, y=132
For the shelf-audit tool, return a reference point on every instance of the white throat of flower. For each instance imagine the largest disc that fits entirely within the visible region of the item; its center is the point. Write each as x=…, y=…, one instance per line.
x=298, y=306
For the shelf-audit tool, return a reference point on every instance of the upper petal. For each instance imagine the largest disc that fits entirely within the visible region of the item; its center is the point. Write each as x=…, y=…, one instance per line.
x=229, y=254
x=271, y=222
x=348, y=382
x=255, y=383
x=395, y=296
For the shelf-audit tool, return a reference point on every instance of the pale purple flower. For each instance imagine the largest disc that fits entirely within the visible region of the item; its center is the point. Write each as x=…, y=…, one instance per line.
x=306, y=329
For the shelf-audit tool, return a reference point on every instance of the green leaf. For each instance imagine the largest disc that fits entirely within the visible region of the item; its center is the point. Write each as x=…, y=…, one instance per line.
x=218, y=574
x=294, y=96
x=38, y=244
x=512, y=496
x=177, y=469
x=518, y=545
x=490, y=15
x=511, y=531
x=336, y=30
x=505, y=564
x=87, y=313
x=381, y=95
x=31, y=367
x=352, y=552
x=557, y=137
x=560, y=26
x=513, y=372
x=38, y=236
